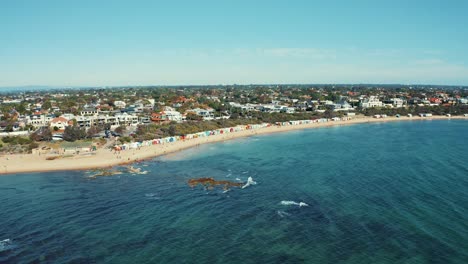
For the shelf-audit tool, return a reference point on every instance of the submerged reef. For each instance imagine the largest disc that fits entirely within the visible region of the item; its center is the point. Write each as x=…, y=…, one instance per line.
x=104, y=173
x=210, y=183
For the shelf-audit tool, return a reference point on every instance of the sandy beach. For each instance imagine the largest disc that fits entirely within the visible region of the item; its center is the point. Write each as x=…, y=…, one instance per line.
x=102, y=158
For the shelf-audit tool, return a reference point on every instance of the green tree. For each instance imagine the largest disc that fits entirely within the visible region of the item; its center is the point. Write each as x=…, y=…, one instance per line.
x=121, y=129
x=172, y=130
x=193, y=116
x=73, y=133
x=46, y=105
x=42, y=134
x=93, y=131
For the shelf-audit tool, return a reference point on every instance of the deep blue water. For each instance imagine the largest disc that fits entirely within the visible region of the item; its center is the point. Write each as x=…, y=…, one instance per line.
x=377, y=193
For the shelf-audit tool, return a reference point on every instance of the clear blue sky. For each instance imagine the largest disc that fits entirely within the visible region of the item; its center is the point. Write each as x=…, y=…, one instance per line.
x=105, y=43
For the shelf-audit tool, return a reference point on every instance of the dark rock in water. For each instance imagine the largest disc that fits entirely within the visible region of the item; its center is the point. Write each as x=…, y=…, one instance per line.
x=210, y=183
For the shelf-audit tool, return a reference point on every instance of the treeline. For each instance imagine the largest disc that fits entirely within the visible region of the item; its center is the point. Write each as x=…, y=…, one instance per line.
x=71, y=133
x=415, y=110
x=152, y=131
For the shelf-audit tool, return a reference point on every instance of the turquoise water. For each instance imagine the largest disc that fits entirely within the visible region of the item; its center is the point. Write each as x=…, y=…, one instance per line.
x=376, y=193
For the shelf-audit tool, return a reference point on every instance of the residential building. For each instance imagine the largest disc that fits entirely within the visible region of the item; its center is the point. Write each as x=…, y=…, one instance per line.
x=120, y=104
x=207, y=114
x=371, y=101
x=59, y=122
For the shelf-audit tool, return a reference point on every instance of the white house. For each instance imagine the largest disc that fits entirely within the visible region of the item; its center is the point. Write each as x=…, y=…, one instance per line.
x=59, y=122
x=39, y=120
x=120, y=104
x=126, y=119
x=371, y=101
x=342, y=106
x=396, y=102
x=207, y=114
x=172, y=115
x=89, y=111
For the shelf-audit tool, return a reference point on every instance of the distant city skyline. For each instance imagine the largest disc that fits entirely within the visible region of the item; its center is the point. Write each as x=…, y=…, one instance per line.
x=119, y=43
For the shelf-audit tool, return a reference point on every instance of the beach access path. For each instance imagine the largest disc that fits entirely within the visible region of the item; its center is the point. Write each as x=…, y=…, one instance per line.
x=102, y=158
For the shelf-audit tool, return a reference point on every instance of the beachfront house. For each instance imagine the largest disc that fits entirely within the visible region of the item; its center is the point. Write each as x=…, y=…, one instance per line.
x=371, y=101
x=172, y=115
x=166, y=116
x=273, y=108
x=59, y=122
x=342, y=106
x=245, y=108
x=395, y=102
x=206, y=114
x=39, y=120
x=126, y=119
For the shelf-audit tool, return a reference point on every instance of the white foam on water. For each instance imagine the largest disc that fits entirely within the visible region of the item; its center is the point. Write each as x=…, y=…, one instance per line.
x=250, y=181
x=6, y=244
x=293, y=203
x=289, y=203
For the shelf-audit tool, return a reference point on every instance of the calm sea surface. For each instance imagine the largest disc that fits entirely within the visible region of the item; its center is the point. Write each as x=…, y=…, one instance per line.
x=376, y=193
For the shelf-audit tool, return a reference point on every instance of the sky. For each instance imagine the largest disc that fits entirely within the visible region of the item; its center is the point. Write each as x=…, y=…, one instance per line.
x=120, y=43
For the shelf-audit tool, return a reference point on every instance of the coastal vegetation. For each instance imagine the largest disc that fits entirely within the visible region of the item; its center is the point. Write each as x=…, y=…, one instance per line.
x=415, y=110
x=17, y=144
x=142, y=113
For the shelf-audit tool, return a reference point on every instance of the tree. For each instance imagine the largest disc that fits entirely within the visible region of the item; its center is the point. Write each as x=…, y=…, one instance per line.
x=172, y=130
x=42, y=134
x=107, y=126
x=46, y=105
x=193, y=116
x=73, y=133
x=121, y=129
x=21, y=108
x=93, y=131
x=32, y=146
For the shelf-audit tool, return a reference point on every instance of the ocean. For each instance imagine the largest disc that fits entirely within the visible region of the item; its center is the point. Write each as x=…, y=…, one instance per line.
x=370, y=193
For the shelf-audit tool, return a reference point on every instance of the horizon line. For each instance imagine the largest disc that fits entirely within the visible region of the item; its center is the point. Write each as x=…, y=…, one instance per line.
x=220, y=84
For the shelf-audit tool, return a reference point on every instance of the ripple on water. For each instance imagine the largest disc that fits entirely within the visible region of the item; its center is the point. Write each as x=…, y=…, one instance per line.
x=387, y=193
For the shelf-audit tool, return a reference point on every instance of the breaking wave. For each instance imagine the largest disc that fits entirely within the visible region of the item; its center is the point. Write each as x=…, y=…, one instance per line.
x=293, y=203
x=250, y=181
x=6, y=244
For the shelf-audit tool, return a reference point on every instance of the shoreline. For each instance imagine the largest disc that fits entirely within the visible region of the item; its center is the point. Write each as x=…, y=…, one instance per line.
x=105, y=158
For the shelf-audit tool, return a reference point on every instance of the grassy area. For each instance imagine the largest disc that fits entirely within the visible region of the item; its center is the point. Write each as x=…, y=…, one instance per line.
x=17, y=144
x=76, y=144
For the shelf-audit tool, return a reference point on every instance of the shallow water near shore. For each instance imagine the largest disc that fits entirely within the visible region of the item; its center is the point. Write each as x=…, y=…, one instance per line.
x=374, y=193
